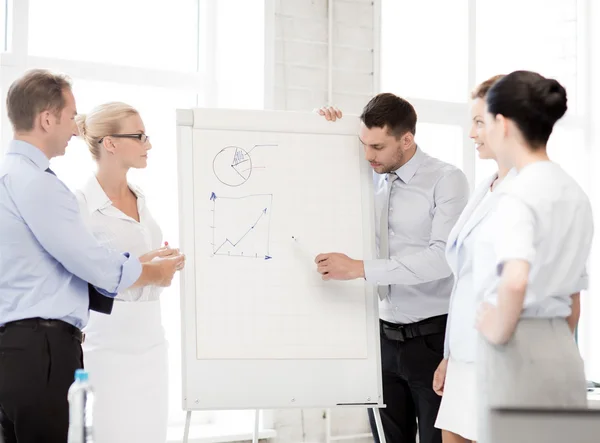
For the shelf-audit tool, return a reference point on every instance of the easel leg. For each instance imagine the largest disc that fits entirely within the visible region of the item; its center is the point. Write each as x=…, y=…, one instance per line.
x=186, y=430
x=379, y=425
x=256, y=423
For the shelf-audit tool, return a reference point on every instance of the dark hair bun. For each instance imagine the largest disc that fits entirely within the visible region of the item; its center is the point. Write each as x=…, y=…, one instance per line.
x=553, y=98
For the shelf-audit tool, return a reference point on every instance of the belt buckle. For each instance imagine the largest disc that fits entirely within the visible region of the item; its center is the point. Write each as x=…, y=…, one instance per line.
x=395, y=333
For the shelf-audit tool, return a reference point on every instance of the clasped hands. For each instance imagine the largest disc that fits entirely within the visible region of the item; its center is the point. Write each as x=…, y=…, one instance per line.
x=165, y=253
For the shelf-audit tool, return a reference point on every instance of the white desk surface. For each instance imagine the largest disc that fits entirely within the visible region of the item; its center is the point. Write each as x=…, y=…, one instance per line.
x=594, y=399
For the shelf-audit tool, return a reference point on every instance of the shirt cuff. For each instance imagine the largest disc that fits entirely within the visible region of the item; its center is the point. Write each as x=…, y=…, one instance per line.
x=375, y=271
x=130, y=272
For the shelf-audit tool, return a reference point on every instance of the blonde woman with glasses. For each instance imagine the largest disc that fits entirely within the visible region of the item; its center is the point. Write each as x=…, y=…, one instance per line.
x=125, y=352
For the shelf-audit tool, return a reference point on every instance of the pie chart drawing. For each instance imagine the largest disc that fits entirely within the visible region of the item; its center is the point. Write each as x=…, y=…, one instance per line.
x=232, y=166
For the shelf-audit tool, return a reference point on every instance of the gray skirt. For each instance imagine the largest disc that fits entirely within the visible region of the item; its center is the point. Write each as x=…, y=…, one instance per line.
x=539, y=367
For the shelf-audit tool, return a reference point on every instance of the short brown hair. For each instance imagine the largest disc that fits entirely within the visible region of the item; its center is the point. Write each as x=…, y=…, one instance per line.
x=484, y=87
x=37, y=91
x=387, y=109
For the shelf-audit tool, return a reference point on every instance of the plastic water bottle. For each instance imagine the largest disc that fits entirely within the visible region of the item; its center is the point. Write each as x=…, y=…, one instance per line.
x=81, y=405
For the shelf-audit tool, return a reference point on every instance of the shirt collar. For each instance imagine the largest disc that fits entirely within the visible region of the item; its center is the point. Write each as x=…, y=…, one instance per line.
x=97, y=199
x=407, y=171
x=33, y=153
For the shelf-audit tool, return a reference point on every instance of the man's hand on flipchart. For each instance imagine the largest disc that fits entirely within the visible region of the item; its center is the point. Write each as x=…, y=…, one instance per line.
x=331, y=113
x=336, y=266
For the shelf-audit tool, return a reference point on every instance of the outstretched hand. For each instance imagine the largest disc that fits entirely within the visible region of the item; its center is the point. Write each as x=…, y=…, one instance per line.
x=336, y=266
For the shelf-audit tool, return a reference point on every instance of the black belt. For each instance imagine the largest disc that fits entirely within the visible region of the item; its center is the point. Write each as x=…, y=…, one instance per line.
x=429, y=326
x=41, y=322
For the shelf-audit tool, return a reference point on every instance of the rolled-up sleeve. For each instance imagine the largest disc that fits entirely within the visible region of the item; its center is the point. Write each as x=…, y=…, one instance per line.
x=52, y=214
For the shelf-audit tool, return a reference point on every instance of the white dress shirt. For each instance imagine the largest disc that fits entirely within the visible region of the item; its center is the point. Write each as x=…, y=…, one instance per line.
x=542, y=217
x=126, y=352
x=461, y=334
x=425, y=203
x=116, y=230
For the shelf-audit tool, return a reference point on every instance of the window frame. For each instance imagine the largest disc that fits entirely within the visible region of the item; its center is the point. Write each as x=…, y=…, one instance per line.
x=448, y=113
x=16, y=60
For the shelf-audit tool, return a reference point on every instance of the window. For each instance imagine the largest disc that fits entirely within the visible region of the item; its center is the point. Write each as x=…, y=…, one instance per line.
x=431, y=70
x=541, y=37
x=548, y=37
x=3, y=25
x=240, y=61
x=424, y=49
x=434, y=52
x=157, y=57
x=441, y=141
x=544, y=37
x=130, y=33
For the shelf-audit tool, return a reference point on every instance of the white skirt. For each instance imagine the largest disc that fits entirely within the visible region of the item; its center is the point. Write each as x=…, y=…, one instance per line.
x=125, y=354
x=458, y=410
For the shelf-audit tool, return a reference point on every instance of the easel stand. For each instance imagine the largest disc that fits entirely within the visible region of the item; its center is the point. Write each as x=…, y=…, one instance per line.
x=330, y=438
x=188, y=419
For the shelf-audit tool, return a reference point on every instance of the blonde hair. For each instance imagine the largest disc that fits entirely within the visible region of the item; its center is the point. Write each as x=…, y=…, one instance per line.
x=483, y=88
x=101, y=121
x=37, y=91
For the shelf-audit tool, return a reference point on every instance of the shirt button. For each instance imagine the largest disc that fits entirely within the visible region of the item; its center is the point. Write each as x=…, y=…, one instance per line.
x=391, y=209
x=391, y=232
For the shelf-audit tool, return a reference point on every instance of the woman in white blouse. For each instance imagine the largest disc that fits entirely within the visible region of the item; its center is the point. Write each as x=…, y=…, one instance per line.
x=530, y=257
x=125, y=352
x=455, y=378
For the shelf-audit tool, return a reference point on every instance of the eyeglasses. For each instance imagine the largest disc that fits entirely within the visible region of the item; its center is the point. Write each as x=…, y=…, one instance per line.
x=141, y=137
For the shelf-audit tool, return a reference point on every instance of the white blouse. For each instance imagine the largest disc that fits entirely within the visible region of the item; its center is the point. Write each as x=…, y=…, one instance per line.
x=461, y=335
x=118, y=231
x=543, y=217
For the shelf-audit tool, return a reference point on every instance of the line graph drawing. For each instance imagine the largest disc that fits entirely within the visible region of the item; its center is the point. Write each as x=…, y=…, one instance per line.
x=241, y=226
x=233, y=166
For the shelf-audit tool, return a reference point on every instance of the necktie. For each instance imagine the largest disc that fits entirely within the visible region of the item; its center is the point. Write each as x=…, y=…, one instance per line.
x=97, y=301
x=384, y=242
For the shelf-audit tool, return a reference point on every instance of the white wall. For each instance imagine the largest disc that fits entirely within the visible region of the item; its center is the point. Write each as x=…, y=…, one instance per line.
x=301, y=54
x=301, y=84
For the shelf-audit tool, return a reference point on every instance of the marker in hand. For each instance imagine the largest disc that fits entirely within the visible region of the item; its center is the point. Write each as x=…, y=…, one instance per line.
x=300, y=246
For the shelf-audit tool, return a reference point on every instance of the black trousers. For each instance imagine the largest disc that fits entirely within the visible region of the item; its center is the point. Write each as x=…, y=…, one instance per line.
x=37, y=366
x=408, y=367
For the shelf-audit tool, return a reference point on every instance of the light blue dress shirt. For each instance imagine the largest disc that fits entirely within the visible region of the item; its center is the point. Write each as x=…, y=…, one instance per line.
x=47, y=255
x=425, y=203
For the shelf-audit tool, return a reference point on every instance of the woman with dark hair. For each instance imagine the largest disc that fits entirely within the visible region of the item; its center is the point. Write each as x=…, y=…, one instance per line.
x=530, y=257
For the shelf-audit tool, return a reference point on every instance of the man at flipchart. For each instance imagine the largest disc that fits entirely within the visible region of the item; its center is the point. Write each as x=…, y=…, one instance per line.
x=418, y=199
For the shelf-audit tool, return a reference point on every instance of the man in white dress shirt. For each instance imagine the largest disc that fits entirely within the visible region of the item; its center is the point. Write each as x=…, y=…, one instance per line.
x=418, y=199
